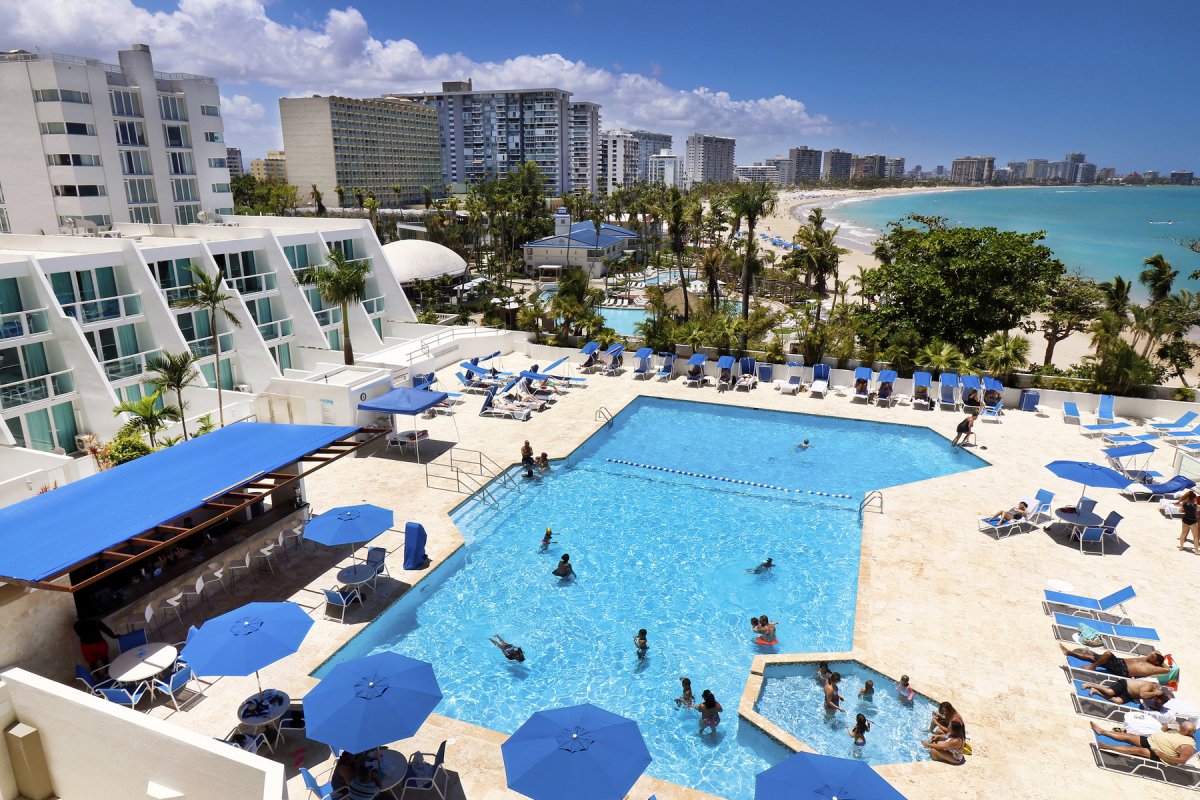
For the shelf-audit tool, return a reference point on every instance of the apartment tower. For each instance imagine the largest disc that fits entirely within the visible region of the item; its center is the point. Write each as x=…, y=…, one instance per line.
x=708, y=159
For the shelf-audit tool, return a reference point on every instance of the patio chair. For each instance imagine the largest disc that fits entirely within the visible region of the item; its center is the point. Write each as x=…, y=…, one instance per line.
x=491, y=408
x=697, y=360
x=217, y=576
x=375, y=557
x=1105, y=412
x=267, y=553
x=1149, y=491
x=885, y=394
x=993, y=413
x=645, y=367
x=175, y=683
x=794, y=380
x=293, y=720
x=341, y=599
x=922, y=382
x=422, y=774
x=1104, y=428
x=1129, y=438
x=470, y=384
x=235, y=565
x=1179, y=436
x=128, y=641
x=89, y=679
x=747, y=379
x=1071, y=622
x=1083, y=606
x=948, y=391
x=124, y=695
x=322, y=791
x=667, y=368
x=820, y=384
x=724, y=373
x=1071, y=415
x=615, y=359
x=1179, y=424
x=1089, y=535
x=971, y=394
x=1041, y=512
x=997, y=527
x=295, y=534
x=197, y=591
x=862, y=384
x=251, y=743
x=1181, y=775
x=592, y=361
x=175, y=602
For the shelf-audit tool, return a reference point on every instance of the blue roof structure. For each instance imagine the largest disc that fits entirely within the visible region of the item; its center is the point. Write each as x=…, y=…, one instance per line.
x=404, y=401
x=52, y=532
x=583, y=234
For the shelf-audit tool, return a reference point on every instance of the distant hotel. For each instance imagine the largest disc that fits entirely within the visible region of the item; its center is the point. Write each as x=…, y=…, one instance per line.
x=972, y=169
x=273, y=168
x=665, y=169
x=708, y=159
x=835, y=165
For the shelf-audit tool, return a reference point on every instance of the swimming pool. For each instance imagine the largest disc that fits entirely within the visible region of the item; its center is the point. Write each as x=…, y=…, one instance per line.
x=662, y=551
x=623, y=320
x=793, y=699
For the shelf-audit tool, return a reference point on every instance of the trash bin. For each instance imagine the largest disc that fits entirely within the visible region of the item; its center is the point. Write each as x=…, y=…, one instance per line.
x=1030, y=399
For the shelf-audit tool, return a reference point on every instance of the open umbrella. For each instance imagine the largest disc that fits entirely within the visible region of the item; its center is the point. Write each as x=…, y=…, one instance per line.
x=822, y=778
x=1088, y=474
x=371, y=701
x=575, y=753
x=247, y=639
x=349, y=525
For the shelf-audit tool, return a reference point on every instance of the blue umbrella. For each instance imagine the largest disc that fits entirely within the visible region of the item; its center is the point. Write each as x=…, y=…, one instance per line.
x=348, y=525
x=246, y=639
x=575, y=753
x=371, y=701
x=822, y=778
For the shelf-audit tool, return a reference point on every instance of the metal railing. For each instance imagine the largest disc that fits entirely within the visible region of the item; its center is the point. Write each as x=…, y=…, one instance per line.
x=875, y=497
x=34, y=390
x=277, y=329
x=128, y=366
x=89, y=312
x=253, y=284
x=24, y=323
x=177, y=294
x=602, y=413
x=328, y=316
x=373, y=305
x=202, y=348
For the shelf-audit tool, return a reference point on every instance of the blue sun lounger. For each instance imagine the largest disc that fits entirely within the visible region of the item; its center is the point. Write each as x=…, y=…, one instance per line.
x=1149, y=491
x=887, y=388
x=863, y=391
x=1080, y=605
x=645, y=367
x=724, y=373
x=1071, y=413
x=591, y=362
x=1105, y=412
x=1178, y=424
x=1129, y=438
x=922, y=380
x=1105, y=628
x=697, y=360
x=1104, y=428
x=971, y=385
x=1176, y=437
x=794, y=380
x=667, y=368
x=820, y=382
x=948, y=390
x=1184, y=776
x=1100, y=707
x=613, y=354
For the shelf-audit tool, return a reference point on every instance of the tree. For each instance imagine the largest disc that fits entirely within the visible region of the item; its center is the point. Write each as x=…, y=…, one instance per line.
x=1158, y=278
x=1179, y=354
x=1073, y=303
x=751, y=202
x=1116, y=295
x=941, y=357
x=339, y=281
x=148, y=415
x=173, y=372
x=372, y=207
x=676, y=212
x=955, y=284
x=207, y=294
x=317, y=197
x=341, y=193
x=575, y=302
x=1003, y=353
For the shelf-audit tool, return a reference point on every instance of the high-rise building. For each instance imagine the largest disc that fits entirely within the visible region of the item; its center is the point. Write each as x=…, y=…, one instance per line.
x=585, y=147
x=273, y=168
x=1016, y=170
x=870, y=166
x=939, y=171
x=1106, y=174
x=835, y=165
x=650, y=143
x=1182, y=177
x=785, y=175
x=1074, y=160
x=893, y=168
x=384, y=146
x=488, y=134
x=89, y=144
x=1085, y=172
x=806, y=164
x=1150, y=175
x=1058, y=171
x=709, y=159
x=233, y=159
x=972, y=169
x=1037, y=169
x=619, y=155
x=665, y=169
x=757, y=173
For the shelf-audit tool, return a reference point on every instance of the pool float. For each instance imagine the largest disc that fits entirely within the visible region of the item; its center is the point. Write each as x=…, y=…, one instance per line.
x=763, y=641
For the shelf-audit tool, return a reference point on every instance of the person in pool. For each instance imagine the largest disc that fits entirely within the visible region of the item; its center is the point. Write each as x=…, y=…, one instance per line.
x=687, y=699
x=547, y=540
x=564, y=569
x=640, y=643
x=823, y=672
x=904, y=689
x=804, y=445
x=766, y=631
x=511, y=652
x=833, y=700
x=859, y=731
x=710, y=712
x=543, y=462
x=765, y=566
x=867, y=692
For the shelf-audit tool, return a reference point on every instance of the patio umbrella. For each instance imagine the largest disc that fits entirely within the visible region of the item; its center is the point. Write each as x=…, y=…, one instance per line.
x=246, y=639
x=348, y=525
x=371, y=701
x=824, y=777
x=575, y=753
x=1088, y=474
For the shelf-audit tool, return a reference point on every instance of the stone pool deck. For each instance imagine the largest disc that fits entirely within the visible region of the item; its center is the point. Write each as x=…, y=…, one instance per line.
x=956, y=610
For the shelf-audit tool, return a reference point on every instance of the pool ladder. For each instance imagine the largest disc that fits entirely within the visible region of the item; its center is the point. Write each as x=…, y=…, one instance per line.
x=602, y=413
x=870, y=499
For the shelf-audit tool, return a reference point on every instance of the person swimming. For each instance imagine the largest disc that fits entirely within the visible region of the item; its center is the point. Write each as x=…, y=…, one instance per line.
x=867, y=692
x=804, y=445
x=859, y=731
x=640, y=643
x=766, y=631
x=765, y=566
x=547, y=540
x=564, y=569
x=511, y=652
x=687, y=699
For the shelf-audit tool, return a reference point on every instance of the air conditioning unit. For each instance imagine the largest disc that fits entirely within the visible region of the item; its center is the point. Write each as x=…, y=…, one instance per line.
x=85, y=440
x=242, y=387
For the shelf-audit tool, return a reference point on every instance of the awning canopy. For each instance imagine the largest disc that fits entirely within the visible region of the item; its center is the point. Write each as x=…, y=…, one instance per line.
x=404, y=401
x=121, y=515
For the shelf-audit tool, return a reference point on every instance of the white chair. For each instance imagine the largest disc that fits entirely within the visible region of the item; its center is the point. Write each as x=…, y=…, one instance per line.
x=217, y=576
x=295, y=535
x=147, y=616
x=233, y=565
x=175, y=603
x=197, y=592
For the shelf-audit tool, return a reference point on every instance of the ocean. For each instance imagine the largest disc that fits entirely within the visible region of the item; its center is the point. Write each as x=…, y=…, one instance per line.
x=1102, y=231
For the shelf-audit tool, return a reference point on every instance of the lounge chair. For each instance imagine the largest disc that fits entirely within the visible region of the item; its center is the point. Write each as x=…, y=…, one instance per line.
x=997, y=527
x=992, y=413
x=948, y=391
x=695, y=370
x=794, y=380
x=1070, y=623
x=1099, y=707
x=1181, y=436
x=613, y=359
x=1149, y=491
x=484, y=375
x=972, y=392
x=1114, y=455
x=1040, y=512
x=1105, y=412
x=1179, y=424
x=1129, y=438
x=1104, y=428
x=1076, y=669
x=1071, y=414
x=591, y=362
x=1080, y=605
x=993, y=391
x=724, y=373
x=922, y=383
x=820, y=384
x=1182, y=775
x=886, y=393
x=493, y=409
x=472, y=385
x=666, y=370
x=645, y=367
x=862, y=384
x=747, y=379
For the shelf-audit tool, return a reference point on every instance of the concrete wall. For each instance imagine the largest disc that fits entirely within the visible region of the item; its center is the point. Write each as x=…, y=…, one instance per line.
x=35, y=632
x=101, y=751
x=30, y=470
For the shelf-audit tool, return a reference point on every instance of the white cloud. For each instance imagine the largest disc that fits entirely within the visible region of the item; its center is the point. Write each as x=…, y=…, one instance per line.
x=238, y=42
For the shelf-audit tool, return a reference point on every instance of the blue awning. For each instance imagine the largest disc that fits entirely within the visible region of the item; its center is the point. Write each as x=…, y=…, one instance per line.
x=404, y=401
x=52, y=532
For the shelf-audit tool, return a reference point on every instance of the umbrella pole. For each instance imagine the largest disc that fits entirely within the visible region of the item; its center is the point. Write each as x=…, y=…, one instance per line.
x=259, y=682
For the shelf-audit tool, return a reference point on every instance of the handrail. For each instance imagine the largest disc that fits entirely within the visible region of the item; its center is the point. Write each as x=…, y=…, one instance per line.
x=374, y=305
x=328, y=316
x=24, y=323
x=37, y=388
x=870, y=498
x=276, y=329
x=203, y=348
x=127, y=366
x=104, y=308
x=602, y=413
x=255, y=284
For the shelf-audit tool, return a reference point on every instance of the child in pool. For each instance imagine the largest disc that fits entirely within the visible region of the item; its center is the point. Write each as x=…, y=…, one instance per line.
x=867, y=692
x=903, y=688
x=859, y=731
x=823, y=672
x=546, y=540
x=687, y=699
x=639, y=642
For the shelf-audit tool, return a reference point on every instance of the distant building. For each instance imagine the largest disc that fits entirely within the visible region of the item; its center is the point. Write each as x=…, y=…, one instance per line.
x=650, y=143
x=806, y=164
x=665, y=169
x=835, y=164
x=1106, y=174
x=1058, y=171
x=576, y=245
x=1074, y=160
x=916, y=172
x=619, y=153
x=272, y=168
x=869, y=166
x=585, y=147
x=1085, y=172
x=708, y=159
x=1036, y=169
x=783, y=170
x=1002, y=176
x=939, y=171
x=1182, y=177
x=233, y=158
x=1150, y=175
x=972, y=169
x=1016, y=170
x=893, y=168
x=757, y=173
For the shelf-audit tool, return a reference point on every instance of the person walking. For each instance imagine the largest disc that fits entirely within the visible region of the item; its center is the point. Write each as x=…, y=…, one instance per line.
x=1187, y=505
x=965, y=429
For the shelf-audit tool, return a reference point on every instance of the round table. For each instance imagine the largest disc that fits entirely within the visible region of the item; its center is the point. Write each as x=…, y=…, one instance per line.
x=278, y=704
x=1083, y=520
x=142, y=662
x=356, y=575
x=393, y=767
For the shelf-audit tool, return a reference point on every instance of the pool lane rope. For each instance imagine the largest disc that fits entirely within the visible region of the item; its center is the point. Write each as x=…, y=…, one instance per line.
x=728, y=480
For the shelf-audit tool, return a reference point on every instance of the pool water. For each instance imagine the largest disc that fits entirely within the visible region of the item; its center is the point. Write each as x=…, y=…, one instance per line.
x=665, y=552
x=623, y=320
x=793, y=699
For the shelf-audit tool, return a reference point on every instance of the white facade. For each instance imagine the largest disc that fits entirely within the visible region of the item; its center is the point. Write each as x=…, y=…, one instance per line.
x=104, y=143
x=757, y=173
x=708, y=159
x=893, y=168
x=619, y=153
x=649, y=144
x=666, y=169
x=585, y=147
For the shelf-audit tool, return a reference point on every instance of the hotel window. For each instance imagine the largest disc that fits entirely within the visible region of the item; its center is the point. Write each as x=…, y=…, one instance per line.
x=4, y=228
x=73, y=128
x=172, y=107
x=147, y=215
x=79, y=190
x=125, y=104
x=177, y=136
x=184, y=190
x=186, y=215
x=140, y=190
x=221, y=188
x=130, y=133
x=73, y=160
x=61, y=96
x=101, y=220
x=218, y=163
x=181, y=163
x=135, y=162
x=210, y=111
x=214, y=136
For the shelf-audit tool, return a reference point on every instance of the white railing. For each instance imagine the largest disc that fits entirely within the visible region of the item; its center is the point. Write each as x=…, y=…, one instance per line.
x=328, y=316
x=89, y=312
x=24, y=323
x=128, y=366
x=202, y=348
x=34, y=390
x=374, y=305
x=278, y=329
x=255, y=284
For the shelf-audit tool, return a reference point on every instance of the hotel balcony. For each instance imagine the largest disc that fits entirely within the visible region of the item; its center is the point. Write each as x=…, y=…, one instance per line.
x=328, y=316
x=24, y=323
x=105, y=309
x=125, y=367
x=203, y=348
x=373, y=305
x=249, y=285
x=279, y=329
x=35, y=390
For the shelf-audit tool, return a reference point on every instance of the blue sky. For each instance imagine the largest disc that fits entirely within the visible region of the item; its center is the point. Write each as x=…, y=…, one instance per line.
x=926, y=80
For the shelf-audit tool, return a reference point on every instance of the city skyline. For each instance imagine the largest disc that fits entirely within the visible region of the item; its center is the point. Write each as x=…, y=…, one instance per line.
x=1029, y=101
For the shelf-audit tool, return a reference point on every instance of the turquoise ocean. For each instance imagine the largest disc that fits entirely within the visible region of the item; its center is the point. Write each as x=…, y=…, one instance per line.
x=1102, y=231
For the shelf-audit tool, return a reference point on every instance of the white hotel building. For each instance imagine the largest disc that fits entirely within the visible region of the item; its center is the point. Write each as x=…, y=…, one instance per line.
x=88, y=144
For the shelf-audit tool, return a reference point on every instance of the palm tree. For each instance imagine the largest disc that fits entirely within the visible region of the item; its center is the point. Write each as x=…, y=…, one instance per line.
x=317, y=197
x=1003, y=353
x=941, y=357
x=207, y=294
x=341, y=193
x=148, y=416
x=340, y=281
x=676, y=212
x=751, y=202
x=372, y=207
x=1116, y=295
x=173, y=372
x=1158, y=277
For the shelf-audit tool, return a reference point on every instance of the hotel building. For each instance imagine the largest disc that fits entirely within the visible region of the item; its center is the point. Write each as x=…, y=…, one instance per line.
x=585, y=147
x=835, y=165
x=649, y=144
x=805, y=164
x=273, y=168
x=708, y=159
x=972, y=169
x=665, y=169
x=233, y=160
x=619, y=156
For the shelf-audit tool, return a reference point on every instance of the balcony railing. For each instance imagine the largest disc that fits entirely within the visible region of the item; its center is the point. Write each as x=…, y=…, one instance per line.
x=106, y=308
x=128, y=366
x=328, y=316
x=202, y=348
x=253, y=284
x=24, y=323
x=374, y=305
x=177, y=294
x=37, y=389
x=278, y=329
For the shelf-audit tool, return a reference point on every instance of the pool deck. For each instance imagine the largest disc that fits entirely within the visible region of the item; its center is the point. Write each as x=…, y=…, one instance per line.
x=957, y=611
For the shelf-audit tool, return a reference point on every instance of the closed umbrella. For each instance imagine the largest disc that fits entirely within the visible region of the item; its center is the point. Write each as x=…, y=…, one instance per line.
x=820, y=777
x=575, y=753
x=247, y=639
x=349, y=525
x=371, y=701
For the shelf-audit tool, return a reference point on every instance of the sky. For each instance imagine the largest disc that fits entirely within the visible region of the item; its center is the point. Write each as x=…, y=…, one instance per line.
x=927, y=80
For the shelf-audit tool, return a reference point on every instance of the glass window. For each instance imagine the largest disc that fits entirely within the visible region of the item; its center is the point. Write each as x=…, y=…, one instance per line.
x=218, y=163
x=186, y=215
x=4, y=227
x=79, y=190
x=181, y=163
x=140, y=190
x=283, y=356
x=130, y=133
x=73, y=128
x=214, y=136
x=61, y=96
x=184, y=190
x=135, y=162
x=177, y=136
x=147, y=215
x=172, y=107
x=210, y=111
x=297, y=255
x=125, y=104
x=221, y=188
x=72, y=160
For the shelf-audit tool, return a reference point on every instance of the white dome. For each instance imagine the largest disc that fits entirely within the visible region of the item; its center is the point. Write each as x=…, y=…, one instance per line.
x=418, y=260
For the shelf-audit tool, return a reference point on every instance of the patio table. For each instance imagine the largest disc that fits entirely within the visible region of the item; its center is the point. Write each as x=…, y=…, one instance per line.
x=142, y=662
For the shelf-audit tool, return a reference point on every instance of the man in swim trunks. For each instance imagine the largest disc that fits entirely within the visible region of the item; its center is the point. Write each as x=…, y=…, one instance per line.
x=1149, y=694
x=832, y=698
x=1168, y=747
x=763, y=567
x=511, y=652
x=1121, y=666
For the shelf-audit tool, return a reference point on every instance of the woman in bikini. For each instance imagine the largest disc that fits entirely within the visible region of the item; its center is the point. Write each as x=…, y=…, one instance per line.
x=948, y=747
x=710, y=712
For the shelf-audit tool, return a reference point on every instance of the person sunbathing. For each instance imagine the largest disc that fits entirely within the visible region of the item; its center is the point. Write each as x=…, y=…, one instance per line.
x=1019, y=511
x=695, y=371
x=1167, y=746
x=921, y=393
x=885, y=390
x=972, y=400
x=860, y=386
x=1149, y=694
x=1146, y=666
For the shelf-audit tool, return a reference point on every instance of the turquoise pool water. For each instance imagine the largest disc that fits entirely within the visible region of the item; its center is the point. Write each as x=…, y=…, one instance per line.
x=623, y=320
x=664, y=552
x=793, y=699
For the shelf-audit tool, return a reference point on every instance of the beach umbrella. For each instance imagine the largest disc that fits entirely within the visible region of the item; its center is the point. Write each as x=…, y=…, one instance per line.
x=349, y=525
x=1089, y=474
x=575, y=753
x=823, y=777
x=371, y=701
x=246, y=639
